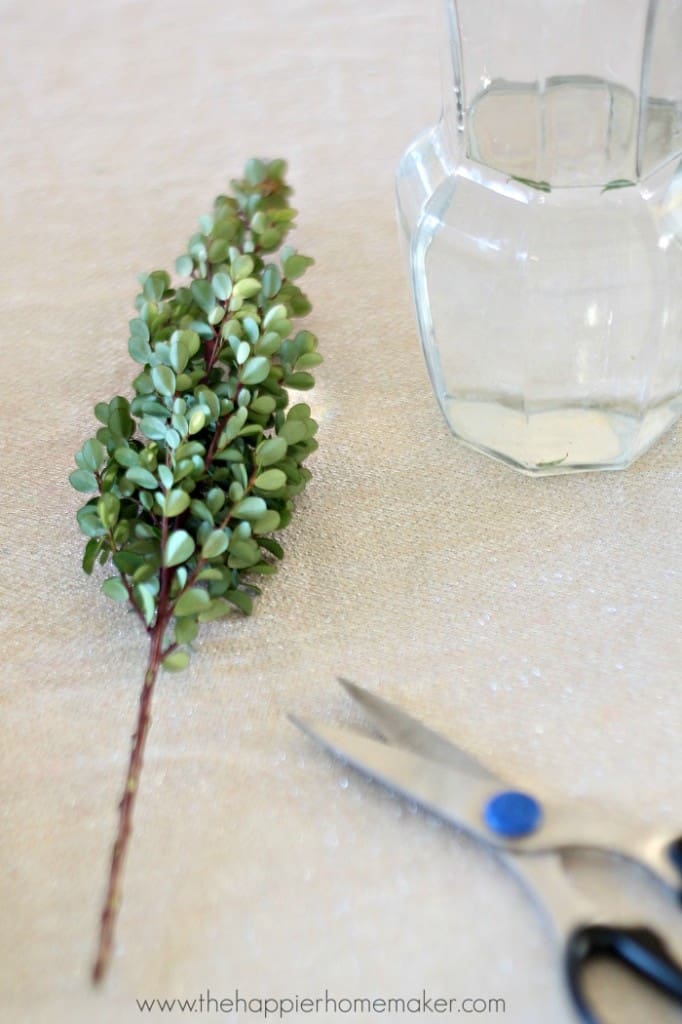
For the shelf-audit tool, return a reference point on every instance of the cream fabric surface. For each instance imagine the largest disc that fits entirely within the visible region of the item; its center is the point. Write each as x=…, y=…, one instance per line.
x=536, y=621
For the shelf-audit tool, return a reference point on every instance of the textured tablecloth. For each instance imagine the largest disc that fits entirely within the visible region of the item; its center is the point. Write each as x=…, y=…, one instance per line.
x=536, y=620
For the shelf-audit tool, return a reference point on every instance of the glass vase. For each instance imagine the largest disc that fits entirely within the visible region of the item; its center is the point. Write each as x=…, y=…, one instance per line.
x=543, y=222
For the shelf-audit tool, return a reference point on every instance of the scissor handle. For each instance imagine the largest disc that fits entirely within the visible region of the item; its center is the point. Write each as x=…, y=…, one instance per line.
x=637, y=948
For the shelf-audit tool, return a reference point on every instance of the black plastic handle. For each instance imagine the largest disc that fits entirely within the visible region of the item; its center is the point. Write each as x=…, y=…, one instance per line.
x=639, y=949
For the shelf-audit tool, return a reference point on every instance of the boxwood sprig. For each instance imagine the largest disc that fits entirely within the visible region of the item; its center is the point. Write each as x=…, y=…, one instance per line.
x=192, y=475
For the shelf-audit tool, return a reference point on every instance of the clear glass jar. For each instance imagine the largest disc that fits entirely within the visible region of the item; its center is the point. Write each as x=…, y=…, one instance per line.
x=543, y=216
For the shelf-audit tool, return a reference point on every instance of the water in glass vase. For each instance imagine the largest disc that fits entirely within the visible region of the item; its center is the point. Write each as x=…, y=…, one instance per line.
x=547, y=269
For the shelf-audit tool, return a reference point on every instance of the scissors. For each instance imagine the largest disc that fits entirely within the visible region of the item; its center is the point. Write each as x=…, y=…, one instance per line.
x=528, y=834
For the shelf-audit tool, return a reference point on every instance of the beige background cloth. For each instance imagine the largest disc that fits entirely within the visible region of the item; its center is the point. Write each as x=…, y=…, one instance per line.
x=536, y=621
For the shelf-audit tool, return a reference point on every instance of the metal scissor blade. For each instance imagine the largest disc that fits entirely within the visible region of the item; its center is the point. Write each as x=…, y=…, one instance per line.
x=405, y=731
x=455, y=796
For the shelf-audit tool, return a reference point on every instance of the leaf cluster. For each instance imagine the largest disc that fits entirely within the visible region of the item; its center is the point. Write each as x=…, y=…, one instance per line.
x=191, y=476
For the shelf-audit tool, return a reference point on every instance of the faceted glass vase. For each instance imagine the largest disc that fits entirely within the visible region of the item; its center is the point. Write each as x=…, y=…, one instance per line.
x=543, y=222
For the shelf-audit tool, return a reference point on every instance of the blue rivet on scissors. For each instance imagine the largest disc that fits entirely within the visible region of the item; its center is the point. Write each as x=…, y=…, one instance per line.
x=512, y=814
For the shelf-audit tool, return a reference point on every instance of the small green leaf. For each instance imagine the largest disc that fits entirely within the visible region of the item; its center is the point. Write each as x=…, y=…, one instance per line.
x=271, y=480
x=94, y=454
x=208, y=398
x=202, y=511
x=139, y=329
x=192, y=602
x=295, y=266
x=186, y=630
x=184, y=265
x=215, y=499
x=126, y=456
x=267, y=522
x=83, y=480
x=176, y=661
x=128, y=562
x=203, y=295
x=214, y=545
x=102, y=412
x=179, y=547
x=92, y=549
x=145, y=601
x=172, y=438
x=246, y=288
x=165, y=476
x=108, y=508
x=179, y=353
x=140, y=350
x=243, y=553
x=210, y=575
x=300, y=381
x=233, y=426
x=250, y=508
x=153, y=427
x=271, y=451
x=197, y=250
x=293, y=431
x=240, y=600
x=271, y=281
x=217, y=251
x=142, y=477
x=300, y=411
x=120, y=421
x=217, y=610
x=242, y=266
x=155, y=285
x=192, y=340
x=164, y=380
x=176, y=502
x=113, y=588
x=197, y=421
x=308, y=360
x=222, y=286
x=138, y=345
x=278, y=312
x=255, y=370
x=273, y=546
x=88, y=522
x=256, y=171
x=264, y=405
x=179, y=423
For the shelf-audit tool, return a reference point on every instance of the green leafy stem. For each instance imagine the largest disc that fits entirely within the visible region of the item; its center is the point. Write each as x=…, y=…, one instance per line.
x=191, y=477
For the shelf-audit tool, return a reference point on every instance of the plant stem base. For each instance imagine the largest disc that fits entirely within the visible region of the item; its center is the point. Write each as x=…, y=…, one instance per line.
x=125, y=808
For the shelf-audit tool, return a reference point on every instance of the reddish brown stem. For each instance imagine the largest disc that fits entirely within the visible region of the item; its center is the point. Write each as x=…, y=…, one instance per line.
x=125, y=808
x=213, y=355
x=219, y=427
